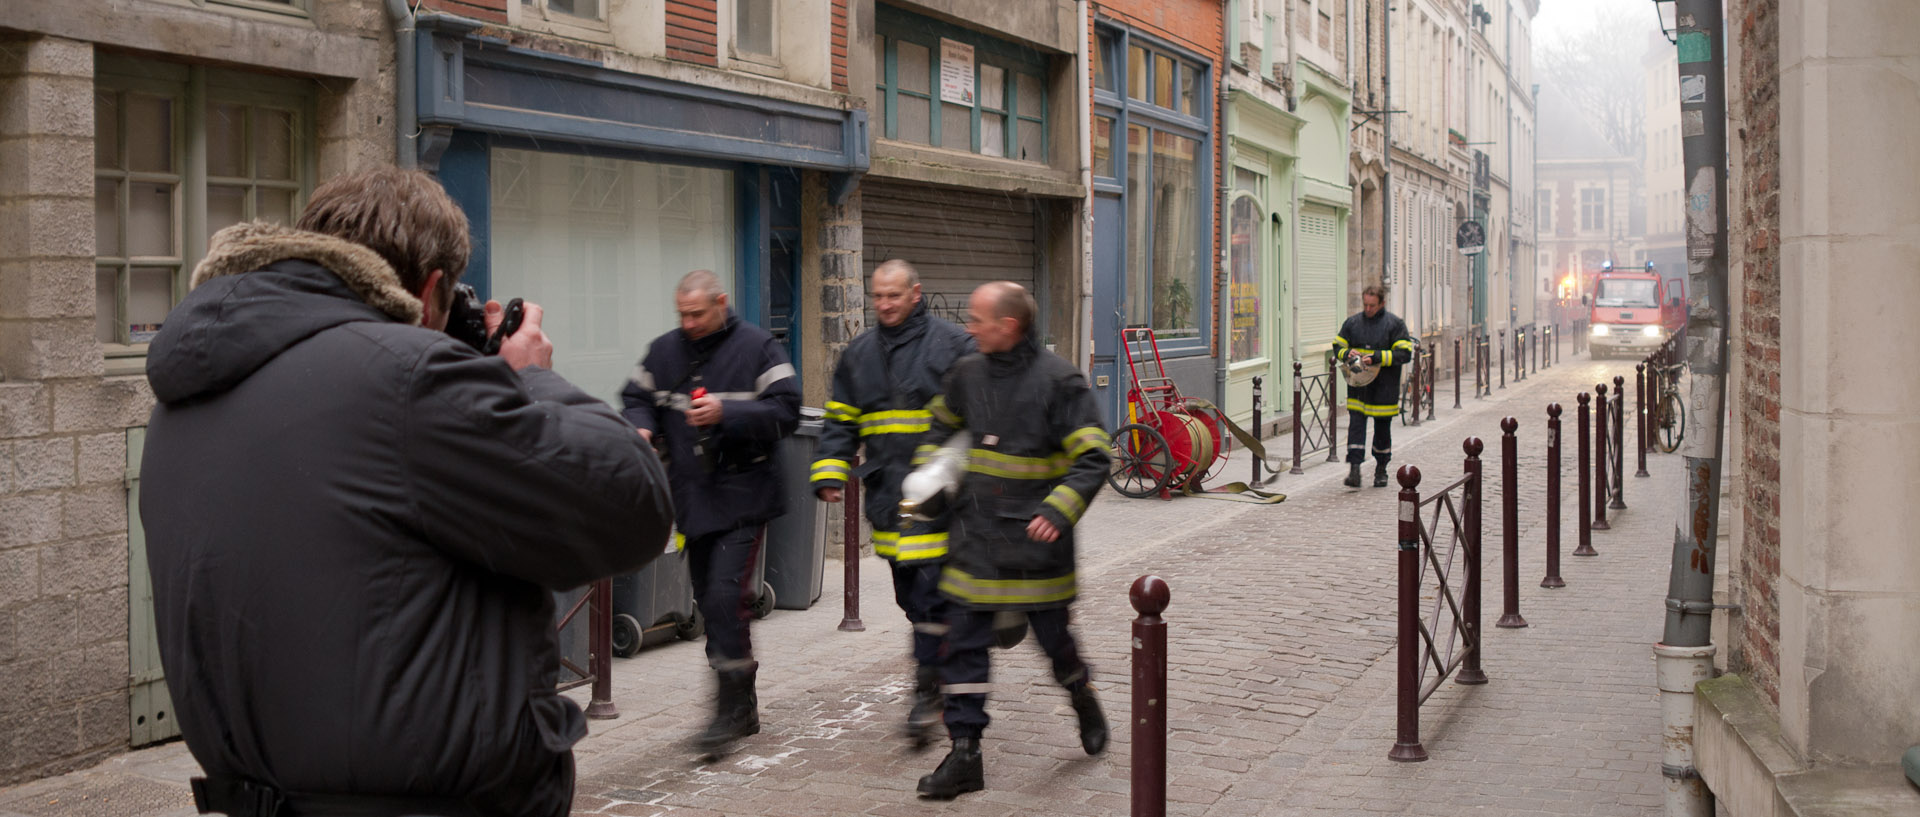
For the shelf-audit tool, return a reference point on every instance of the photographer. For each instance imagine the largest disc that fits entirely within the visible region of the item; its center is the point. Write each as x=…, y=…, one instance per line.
x=717, y=394
x=355, y=522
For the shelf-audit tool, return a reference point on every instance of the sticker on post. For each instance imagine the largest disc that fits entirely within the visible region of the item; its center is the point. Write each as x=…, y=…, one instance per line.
x=1693, y=89
x=1693, y=123
x=1407, y=512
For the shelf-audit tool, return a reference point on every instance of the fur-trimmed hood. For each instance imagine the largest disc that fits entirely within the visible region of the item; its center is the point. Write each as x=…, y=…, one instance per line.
x=262, y=289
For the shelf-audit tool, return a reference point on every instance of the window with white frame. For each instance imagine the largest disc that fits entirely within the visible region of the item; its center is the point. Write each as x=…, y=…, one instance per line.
x=181, y=152
x=755, y=30
x=1593, y=209
x=281, y=6
x=1546, y=209
x=565, y=11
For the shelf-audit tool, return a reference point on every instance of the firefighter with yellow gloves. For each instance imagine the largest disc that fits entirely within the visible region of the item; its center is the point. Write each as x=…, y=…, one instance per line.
x=881, y=388
x=1039, y=455
x=1376, y=338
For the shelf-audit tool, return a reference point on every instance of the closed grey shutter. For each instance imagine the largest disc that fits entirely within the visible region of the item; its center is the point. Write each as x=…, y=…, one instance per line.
x=1322, y=283
x=956, y=239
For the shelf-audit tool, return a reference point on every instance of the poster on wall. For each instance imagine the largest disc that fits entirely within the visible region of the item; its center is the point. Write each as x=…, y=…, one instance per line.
x=956, y=72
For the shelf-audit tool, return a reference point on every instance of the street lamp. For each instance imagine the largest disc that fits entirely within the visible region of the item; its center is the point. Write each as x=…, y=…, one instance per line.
x=1667, y=11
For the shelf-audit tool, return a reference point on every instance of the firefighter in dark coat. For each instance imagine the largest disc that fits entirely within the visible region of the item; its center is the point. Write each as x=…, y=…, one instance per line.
x=881, y=387
x=720, y=448
x=1039, y=455
x=356, y=524
x=1379, y=338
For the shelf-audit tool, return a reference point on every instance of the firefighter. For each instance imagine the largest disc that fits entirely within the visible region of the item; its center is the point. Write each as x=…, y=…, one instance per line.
x=1379, y=338
x=880, y=391
x=1039, y=456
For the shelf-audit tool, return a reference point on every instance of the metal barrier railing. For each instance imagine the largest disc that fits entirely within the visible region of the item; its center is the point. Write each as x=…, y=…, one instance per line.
x=598, y=604
x=1315, y=422
x=1437, y=534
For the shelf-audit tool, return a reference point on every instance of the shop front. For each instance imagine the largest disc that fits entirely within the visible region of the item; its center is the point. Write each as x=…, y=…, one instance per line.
x=1262, y=147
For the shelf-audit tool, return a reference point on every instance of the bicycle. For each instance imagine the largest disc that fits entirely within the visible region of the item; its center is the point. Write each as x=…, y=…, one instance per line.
x=1416, y=394
x=1667, y=416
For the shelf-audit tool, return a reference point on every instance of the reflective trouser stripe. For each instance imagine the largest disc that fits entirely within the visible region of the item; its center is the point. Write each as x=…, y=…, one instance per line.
x=957, y=583
x=931, y=628
x=966, y=689
x=1372, y=409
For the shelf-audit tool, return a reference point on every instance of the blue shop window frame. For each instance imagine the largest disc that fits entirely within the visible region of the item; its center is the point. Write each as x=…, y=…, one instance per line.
x=766, y=215
x=1124, y=111
x=896, y=25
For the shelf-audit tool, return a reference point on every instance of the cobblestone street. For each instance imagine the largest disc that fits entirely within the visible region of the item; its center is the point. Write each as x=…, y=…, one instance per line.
x=1281, y=681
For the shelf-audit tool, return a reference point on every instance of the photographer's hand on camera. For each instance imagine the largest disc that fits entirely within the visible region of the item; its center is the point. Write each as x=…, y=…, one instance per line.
x=527, y=346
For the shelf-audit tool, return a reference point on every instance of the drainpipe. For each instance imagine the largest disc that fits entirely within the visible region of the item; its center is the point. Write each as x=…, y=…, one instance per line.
x=1684, y=656
x=405, y=90
x=1222, y=320
x=1084, y=107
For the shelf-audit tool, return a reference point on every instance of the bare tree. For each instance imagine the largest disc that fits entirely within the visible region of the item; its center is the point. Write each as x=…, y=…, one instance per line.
x=1598, y=66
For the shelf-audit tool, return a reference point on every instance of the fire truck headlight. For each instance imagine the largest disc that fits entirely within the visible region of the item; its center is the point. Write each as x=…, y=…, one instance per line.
x=1651, y=331
x=1599, y=330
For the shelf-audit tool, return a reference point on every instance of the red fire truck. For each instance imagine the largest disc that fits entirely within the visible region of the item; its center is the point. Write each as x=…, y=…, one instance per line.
x=1633, y=310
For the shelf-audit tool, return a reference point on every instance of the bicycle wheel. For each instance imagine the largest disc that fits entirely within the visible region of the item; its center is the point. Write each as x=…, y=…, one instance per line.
x=1673, y=423
x=1142, y=463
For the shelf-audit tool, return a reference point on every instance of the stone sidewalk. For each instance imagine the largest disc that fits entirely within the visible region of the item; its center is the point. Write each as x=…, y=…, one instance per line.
x=1281, y=696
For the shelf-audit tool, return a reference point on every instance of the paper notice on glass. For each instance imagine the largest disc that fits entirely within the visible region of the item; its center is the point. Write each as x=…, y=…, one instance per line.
x=956, y=72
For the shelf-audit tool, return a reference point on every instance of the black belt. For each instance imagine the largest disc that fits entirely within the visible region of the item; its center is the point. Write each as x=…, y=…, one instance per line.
x=239, y=797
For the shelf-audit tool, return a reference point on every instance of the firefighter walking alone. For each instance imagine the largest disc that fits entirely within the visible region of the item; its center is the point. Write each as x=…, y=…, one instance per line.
x=1372, y=339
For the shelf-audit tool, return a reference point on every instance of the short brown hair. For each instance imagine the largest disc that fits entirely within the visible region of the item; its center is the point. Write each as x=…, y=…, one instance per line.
x=1378, y=291
x=403, y=215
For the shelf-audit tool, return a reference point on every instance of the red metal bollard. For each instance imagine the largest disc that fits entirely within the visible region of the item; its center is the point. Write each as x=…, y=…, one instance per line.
x=1298, y=427
x=1406, y=745
x=850, y=595
x=1583, y=461
x=1456, y=373
x=1602, y=434
x=1510, y=526
x=1553, y=499
x=1470, y=671
x=1619, y=445
x=1414, y=420
x=1433, y=383
x=600, y=650
x=1640, y=415
x=1149, y=595
x=1503, y=360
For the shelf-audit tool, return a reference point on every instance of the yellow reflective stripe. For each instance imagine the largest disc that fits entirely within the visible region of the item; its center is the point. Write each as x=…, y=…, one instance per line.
x=1068, y=502
x=830, y=470
x=995, y=464
x=1373, y=409
x=937, y=408
x=885, y=543
x=1403, y=344
x=1082, y=440
x=842, y=412
x=1340, y=341
x=903, y=421
x=921, y=546
x=1386, y=358
x=957, y=583
x=924, y=453
x=678, y=544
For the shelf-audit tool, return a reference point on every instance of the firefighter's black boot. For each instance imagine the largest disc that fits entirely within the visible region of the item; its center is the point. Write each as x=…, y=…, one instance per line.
x=1353, y=475
x=736, y=712
x=1093, y=724
x=1379, y=475
x=962, y=772
x=928, y=706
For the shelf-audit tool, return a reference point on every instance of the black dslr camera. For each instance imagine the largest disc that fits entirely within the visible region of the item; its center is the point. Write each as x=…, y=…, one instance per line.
x=467, y=320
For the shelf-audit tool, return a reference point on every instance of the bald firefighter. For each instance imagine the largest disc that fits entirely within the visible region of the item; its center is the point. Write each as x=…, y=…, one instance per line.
x=881, y=387
x=1039, y=455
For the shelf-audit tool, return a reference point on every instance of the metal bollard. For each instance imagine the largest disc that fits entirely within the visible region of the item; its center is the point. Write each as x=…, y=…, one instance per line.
x=1584, y=476
x=1503, y=360
x=600, y=650
x=1414, y=420
x=1553, y=499
x=1640, y=415
x=1456, y=373
x=1510, y=526
x=1298, y=427
x=1149, y=595
x=1257, y=433
x=1406, y=745
x=1618, y=448
x=1470, y=671
x=1433, y=383
x=1333, y=414
x=1601, y=433
x=850, y=594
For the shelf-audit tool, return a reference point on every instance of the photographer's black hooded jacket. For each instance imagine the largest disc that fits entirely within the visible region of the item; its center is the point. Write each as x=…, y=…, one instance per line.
x=355, y=527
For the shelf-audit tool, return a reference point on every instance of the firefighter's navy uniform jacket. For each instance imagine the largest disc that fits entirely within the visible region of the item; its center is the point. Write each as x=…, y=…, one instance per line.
x=880, y=392
x=1038, y=450
x=1384, y=335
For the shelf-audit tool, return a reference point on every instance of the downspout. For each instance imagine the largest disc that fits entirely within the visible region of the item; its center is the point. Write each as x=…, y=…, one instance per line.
x=1684, y=656
x=1084, y=94
x=1224, y=290
x=406, y=152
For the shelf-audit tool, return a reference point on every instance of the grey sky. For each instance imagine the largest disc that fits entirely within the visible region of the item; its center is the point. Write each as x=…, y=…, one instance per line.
x=1559, y=16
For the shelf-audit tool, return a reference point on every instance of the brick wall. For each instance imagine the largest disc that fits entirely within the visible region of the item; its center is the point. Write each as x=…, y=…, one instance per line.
x=839, y=46
x=492, y=11
x=693, y=31
x=1754, y=107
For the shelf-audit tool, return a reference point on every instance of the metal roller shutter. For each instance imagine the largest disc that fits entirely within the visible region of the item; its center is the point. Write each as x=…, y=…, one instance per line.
x=956, y=239
x=1322, y=282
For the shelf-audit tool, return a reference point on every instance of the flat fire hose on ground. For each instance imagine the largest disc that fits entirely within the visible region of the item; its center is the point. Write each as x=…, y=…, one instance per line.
x=1239, y=491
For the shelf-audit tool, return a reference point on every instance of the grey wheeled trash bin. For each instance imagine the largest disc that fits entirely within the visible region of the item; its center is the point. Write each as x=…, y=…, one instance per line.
x=795, y=551
x=655, y=604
